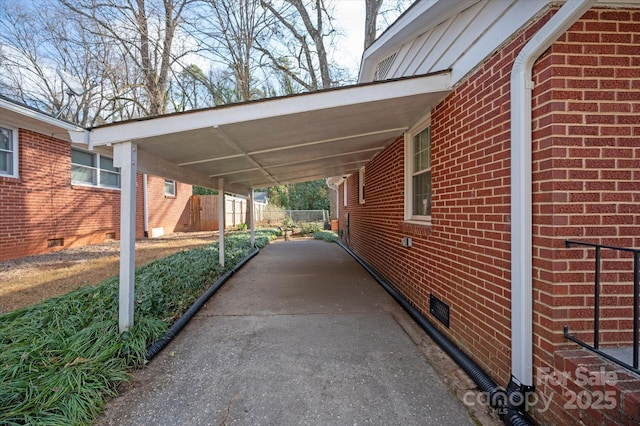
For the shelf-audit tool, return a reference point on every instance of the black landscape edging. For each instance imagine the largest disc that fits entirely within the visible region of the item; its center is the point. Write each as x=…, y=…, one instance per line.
x=158, y=345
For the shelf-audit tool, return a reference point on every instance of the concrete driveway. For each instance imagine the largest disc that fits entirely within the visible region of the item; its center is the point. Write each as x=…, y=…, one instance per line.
x=301, y=335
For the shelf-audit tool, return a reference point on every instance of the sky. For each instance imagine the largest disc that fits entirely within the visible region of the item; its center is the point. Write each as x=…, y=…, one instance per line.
x=350, y=16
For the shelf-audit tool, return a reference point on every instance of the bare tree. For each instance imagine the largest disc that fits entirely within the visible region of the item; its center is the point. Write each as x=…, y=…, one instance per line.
x=35, y=46
x=193, y=88
x=371, y=19
x=144, y=31
x=303, y=34
x=21, y=52
x=227, y=31
x=387, y=15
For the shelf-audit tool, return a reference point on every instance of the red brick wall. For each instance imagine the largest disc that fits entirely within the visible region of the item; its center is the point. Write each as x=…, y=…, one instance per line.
x=586, y=186
x=169, y=212
x=42, y=205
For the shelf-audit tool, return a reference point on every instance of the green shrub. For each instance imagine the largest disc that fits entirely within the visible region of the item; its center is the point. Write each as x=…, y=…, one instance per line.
x=310, y=228
x=326, y=236
x=61, y=358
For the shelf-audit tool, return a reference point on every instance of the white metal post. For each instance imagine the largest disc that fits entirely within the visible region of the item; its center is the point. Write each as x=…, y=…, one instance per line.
x=221, y=217
x=252, y=220
x=125, y=157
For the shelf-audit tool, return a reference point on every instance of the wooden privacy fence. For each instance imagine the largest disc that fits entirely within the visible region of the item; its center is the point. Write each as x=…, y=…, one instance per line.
x=204, y=212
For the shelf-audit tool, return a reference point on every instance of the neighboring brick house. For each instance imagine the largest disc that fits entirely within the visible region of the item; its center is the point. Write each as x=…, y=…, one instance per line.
x=446, y=187
x=55, y=195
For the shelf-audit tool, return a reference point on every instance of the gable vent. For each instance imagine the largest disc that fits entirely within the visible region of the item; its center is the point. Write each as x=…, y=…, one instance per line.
x=383, y=67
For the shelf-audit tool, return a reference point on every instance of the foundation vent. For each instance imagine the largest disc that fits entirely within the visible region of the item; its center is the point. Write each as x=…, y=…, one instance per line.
x=55, y=242
x=439, y=309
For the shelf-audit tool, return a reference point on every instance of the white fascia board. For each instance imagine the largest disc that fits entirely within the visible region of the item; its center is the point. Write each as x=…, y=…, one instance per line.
x=183, y=122
x=79, y=136
x=40, y=116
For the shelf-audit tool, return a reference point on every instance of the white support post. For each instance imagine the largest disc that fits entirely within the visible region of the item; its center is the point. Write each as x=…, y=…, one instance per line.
x=252, y=220
x=221, y=217
x=125, y=157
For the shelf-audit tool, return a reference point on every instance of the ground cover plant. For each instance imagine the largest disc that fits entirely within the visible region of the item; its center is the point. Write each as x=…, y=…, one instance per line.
x=326, y=236
x=61, y=358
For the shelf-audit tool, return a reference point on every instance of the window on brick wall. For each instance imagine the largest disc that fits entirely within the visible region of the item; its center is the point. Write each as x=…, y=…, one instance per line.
x=93, y=169
x=418, y=172
x=8, y=152
x=169, y=188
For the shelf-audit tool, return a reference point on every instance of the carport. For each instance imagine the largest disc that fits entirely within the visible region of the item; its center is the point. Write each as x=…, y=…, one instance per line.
x=256, y=144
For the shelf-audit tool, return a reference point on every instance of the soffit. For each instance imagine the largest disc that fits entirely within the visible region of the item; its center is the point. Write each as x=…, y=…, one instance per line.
x=280, y=140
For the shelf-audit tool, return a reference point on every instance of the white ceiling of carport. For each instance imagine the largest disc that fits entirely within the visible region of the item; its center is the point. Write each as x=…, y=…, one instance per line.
x=280, y=140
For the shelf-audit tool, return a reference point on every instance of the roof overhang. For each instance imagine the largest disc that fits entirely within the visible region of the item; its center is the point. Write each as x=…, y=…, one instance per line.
x=280, y=140
x=20, y=116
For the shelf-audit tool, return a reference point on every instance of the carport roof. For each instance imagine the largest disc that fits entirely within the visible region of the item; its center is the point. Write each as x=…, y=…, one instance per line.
x=279, y=140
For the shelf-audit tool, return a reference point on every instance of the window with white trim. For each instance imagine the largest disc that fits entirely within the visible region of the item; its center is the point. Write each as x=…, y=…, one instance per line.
x=93, y=169
x=169, y=188
x=8, y=152
x=418, y=188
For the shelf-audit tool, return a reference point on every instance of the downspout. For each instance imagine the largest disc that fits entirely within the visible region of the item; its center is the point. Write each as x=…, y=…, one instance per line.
x=145, y=203
x=521, y=197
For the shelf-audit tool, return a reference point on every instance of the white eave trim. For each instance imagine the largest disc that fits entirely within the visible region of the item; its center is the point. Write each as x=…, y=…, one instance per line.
x=40, y=116
x=276, y=107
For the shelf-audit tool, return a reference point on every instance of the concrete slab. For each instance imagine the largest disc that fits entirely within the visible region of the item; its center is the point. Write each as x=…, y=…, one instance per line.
x=302, y=335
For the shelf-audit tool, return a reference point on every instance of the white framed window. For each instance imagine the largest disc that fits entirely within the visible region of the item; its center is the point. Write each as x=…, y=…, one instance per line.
x=361, y=186
x=418, y=185
x=8, y=151
x=169, y=188
x=93, y=169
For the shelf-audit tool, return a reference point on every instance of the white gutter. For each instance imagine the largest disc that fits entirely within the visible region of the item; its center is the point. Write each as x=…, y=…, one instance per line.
x=521, y=187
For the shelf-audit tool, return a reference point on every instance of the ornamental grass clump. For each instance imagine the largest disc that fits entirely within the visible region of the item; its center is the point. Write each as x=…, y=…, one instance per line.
x=60, y=359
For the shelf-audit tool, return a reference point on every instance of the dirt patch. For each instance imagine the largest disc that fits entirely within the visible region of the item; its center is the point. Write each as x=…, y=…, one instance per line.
x=30, y=280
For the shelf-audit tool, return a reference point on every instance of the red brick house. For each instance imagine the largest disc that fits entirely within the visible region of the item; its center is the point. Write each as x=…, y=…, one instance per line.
x=472, y=207
x=55, y=194
x=487, y=142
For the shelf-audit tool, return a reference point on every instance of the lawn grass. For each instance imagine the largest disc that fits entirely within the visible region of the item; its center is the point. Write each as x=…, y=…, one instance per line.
x=60, y=359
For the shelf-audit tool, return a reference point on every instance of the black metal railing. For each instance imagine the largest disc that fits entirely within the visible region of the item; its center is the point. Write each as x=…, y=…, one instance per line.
x=597, y=287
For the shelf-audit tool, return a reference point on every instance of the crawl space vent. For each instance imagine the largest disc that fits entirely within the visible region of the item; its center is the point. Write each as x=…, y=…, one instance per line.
x=439, y=309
